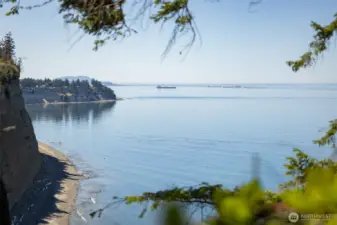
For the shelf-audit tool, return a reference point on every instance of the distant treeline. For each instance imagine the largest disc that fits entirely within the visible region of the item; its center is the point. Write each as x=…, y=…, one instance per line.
x=65, y=86
x=33, y=83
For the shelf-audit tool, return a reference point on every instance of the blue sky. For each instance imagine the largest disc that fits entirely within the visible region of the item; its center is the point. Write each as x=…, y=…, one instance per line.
x=238, y=46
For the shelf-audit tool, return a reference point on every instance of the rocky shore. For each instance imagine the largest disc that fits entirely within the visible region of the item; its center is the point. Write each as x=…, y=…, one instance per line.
x=52, y=196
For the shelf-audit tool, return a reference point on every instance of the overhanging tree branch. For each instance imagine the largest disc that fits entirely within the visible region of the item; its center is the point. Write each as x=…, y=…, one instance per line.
x=106, y=19
x=317, y=47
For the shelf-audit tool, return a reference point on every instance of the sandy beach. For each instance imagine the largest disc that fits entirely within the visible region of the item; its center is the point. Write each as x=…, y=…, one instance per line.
x=52, y=197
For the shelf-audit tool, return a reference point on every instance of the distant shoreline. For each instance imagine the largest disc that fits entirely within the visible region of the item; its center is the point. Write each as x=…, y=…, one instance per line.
x=84, y=102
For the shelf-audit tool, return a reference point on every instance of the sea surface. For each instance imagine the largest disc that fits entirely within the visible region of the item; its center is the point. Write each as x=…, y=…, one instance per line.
x=155, y=139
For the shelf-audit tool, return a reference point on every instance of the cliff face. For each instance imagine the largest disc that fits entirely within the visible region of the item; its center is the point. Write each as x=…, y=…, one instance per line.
x=19, y=157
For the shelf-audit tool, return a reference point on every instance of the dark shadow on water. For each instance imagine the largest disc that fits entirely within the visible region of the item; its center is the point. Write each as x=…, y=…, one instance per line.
x=81, y=113
x=38, y=203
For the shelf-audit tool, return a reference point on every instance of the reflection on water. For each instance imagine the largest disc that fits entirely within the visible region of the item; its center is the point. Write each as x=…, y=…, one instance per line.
x=81, y=113
x=62, y=117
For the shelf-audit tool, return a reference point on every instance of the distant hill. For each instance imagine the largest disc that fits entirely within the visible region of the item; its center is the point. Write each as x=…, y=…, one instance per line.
x=108, y=83
x=83, y=78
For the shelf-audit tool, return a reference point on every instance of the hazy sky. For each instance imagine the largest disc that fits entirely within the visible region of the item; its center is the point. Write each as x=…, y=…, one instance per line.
x=238, y=46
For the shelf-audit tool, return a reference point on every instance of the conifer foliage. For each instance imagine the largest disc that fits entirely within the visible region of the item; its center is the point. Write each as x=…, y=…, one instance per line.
x=10, y=65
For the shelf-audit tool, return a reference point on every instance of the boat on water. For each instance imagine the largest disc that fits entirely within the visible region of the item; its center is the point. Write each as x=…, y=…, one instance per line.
x=231, y=86
x=166, y=87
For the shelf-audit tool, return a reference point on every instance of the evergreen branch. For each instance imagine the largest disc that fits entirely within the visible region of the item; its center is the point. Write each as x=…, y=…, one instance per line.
x=318, y=46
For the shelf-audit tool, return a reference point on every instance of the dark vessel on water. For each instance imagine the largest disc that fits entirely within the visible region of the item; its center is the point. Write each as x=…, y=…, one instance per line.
x=166, y=87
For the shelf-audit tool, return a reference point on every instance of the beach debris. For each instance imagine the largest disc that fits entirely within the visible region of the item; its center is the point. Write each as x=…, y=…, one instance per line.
x=85, y=176
x=93, y=200
x=45, y=101
x=81, y=216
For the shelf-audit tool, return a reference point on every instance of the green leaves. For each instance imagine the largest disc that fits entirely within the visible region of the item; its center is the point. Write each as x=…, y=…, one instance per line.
x=106, y=20
x=102, y=19
x=235, y=211
x=313, y=190
x=170, y=9
x=178, y=12
x=318, y=46
x=299, y=166
x=10, y=66
x=330, y=136
x=306, y=60
x=319, y=195
x=98, y=44
x=13, y=11
x=173, y=215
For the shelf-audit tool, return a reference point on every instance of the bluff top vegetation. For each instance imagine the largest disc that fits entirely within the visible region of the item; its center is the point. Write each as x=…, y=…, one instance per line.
x=313, y=186
x=10, y=66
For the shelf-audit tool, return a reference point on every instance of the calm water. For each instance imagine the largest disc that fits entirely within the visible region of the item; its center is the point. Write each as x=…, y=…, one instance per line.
x=158, y=138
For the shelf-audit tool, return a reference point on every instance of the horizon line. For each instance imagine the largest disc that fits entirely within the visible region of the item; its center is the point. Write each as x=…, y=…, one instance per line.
x=186, y=83
x=225, y=83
